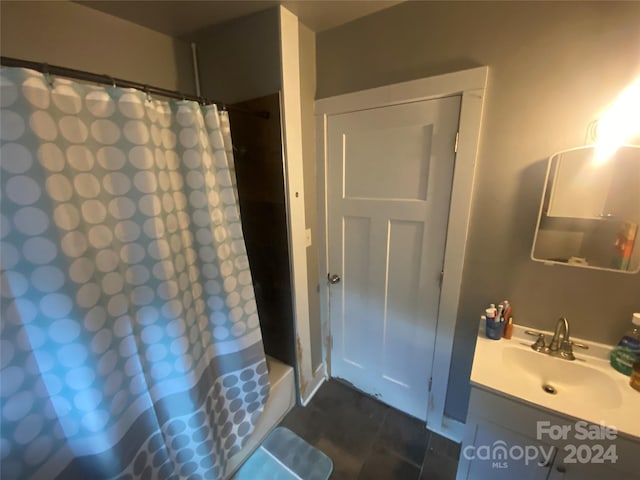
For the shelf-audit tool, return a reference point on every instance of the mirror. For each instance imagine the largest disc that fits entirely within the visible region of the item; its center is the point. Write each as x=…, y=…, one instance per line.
x=590, y=210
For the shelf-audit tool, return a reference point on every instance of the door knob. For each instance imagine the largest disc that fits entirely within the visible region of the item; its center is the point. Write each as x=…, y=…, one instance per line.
x=333, y=279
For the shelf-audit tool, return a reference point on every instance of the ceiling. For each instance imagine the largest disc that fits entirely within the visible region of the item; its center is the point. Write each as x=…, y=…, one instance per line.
x=180, y=18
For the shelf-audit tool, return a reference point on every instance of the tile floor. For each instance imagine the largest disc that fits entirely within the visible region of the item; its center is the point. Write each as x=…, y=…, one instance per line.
x=368, y=440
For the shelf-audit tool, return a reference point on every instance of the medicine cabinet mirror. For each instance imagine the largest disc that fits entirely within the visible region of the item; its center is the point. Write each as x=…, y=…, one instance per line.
x=590, y=210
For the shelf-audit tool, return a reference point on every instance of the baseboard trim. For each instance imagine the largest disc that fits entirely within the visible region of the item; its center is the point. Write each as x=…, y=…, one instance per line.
x=450, y=428
x=318, y=379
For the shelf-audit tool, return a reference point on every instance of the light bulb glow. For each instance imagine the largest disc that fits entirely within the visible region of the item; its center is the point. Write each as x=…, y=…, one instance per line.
x=619, y=123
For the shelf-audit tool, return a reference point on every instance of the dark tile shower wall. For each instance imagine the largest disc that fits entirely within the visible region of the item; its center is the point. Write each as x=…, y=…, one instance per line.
x=259, y=172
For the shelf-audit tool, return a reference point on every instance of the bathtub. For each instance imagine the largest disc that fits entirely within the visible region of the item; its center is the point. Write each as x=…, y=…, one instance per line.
x=281, y=399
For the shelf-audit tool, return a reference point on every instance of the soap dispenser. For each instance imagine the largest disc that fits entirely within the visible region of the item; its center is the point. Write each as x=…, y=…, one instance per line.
x=627, y=352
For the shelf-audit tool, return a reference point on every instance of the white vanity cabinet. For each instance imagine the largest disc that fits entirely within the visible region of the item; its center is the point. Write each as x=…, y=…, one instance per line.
x=515, y=440
x=500, y=465
x=589, y=471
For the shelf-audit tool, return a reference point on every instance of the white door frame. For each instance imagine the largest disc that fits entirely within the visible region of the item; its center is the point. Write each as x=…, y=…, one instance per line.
x=308, y=381
x=471, y=85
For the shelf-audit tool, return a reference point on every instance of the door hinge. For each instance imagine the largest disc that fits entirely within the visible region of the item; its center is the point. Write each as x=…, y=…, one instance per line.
x=455, y=146
x=430, y=383
x=441, y=277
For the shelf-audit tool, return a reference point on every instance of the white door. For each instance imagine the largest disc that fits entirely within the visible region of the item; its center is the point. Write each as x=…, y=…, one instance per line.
x=389, y=177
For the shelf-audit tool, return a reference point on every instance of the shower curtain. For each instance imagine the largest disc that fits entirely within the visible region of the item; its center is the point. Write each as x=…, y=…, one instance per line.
x=130, y=343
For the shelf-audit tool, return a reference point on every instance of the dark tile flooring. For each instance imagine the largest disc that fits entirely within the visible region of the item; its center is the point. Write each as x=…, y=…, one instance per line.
x=368, y=440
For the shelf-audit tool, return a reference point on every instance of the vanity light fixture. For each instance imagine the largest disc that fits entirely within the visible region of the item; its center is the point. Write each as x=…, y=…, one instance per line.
x=619, y=123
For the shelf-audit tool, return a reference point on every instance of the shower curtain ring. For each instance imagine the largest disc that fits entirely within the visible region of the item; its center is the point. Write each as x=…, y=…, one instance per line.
x=146, y=90
x=112, y=80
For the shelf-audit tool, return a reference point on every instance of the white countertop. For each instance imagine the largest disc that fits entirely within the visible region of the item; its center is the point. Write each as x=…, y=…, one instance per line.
x=598, y=395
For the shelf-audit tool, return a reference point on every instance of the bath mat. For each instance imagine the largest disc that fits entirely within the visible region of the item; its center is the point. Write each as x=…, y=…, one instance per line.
x=283, y=455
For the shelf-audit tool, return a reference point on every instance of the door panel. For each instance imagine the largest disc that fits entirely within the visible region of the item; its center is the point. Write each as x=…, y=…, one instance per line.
x=401, y=316
x=389, y=176
x=411, y=143
x=356, y=267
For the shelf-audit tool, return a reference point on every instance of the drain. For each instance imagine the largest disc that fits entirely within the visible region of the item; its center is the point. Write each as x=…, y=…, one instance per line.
x=549, y=389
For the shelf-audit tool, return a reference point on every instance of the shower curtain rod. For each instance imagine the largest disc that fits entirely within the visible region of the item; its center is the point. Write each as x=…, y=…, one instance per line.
x=47, y=69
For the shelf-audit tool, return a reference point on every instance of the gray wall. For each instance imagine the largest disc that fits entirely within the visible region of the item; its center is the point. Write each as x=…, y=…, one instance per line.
x=240, y=59
x=75, y=36
x=553, y=68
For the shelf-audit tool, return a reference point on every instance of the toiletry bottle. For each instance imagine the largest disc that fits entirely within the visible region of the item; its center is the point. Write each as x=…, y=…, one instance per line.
x=507, y=310
x=635, y=376
x=508, y=329
x=625, y=354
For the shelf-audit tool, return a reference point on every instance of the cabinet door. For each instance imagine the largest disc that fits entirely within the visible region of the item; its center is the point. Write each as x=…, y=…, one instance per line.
x=585, y=198
x=586, y=471
x=498, y=453
x=584, y=188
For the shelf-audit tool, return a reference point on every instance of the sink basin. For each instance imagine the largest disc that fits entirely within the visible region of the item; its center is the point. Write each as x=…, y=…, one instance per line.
x=570, y=382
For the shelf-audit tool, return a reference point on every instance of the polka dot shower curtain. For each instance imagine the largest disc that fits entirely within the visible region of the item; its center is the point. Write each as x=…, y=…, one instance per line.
x=130, y=343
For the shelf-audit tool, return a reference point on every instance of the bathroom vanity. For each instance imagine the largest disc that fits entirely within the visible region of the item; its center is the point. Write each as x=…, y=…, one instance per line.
x=534, y=416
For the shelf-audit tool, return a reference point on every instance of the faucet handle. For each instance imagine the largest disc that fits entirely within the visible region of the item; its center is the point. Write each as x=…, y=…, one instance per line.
x=534, y=333
x=539, y=345
x=566, y=349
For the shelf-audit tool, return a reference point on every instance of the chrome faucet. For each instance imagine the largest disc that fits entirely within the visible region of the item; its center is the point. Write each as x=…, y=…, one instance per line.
x=561, y=344
x=561, y=347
